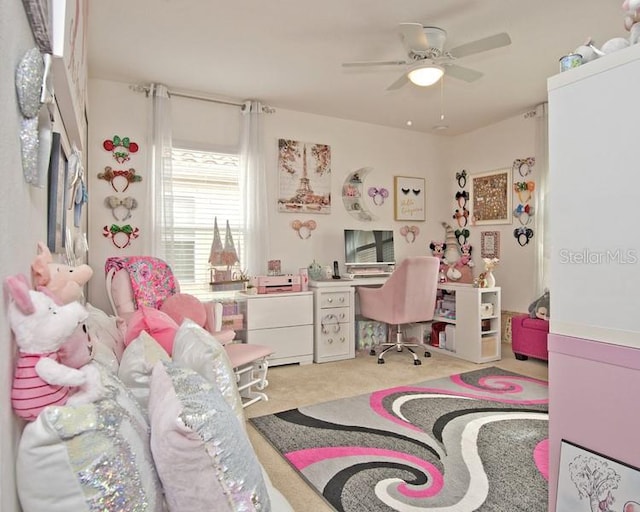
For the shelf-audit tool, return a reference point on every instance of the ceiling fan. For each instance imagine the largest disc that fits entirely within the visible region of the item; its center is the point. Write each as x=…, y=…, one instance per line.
x=428, y=60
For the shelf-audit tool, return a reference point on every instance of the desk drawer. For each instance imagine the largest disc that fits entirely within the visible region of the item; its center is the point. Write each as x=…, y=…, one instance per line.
x=334, y=343
x=332, y=316
x=334, y=299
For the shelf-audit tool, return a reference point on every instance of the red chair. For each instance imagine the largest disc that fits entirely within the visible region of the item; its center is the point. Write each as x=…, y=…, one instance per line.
x=409, y=295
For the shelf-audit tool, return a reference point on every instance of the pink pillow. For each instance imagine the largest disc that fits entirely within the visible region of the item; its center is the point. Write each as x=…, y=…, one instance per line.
x=159, y=325
x=182, y=305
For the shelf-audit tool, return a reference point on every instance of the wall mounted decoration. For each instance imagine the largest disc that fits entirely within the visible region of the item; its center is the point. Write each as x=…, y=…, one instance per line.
x=305, y=228
x=410, y=233
x=490, y=197
x=378, y=195
x=588, y=480
x=490, y=244
x=120, y=148
x=524, y=190
x=461, y=177
x=121, y=236
x=524, y=166
x=462, y=196
x=409, y=198
x=462, y=235
x=121, y=207
x=39, y=16
x=524, y=213
x=461, y=216
x=124, y=177
x=523, y=235
x=69, y=65
x=56, y=218
x=304, y=171
x=353, y=197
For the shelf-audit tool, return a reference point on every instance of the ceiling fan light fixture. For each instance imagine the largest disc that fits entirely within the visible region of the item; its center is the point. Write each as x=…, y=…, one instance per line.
x=425, y=74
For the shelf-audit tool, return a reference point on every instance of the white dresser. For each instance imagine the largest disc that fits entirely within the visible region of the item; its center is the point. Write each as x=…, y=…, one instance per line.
x=282, y=321
x=333, y=313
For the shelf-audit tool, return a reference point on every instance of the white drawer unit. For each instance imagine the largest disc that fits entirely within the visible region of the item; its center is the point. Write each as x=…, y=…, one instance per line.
x=334, y=336
x=284, y=322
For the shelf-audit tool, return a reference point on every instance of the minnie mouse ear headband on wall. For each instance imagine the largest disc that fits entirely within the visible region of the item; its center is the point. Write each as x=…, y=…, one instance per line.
x=378, y=195
x=305, y=228
x=129, y=175
x=524, y=189
x=121, y=208
x=462, y=235
x=35, y=96
x=462, y=197
x=523, y=213
x=461, y=216
x=523, y=235
x=121, y=236
x=461, y=177
x=523, y=165
x=410, y=233
x=120, y=148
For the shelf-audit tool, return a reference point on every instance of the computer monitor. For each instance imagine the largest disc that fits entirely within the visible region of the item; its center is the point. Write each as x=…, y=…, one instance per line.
x=368, y=247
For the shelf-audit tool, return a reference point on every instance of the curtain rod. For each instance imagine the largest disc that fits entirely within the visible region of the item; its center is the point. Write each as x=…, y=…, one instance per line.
x=146, y=89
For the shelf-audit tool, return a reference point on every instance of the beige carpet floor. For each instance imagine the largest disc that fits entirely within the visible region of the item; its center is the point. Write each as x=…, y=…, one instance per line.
x=294, y=386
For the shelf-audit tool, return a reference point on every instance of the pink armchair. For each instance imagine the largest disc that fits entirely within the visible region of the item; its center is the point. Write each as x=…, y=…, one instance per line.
x=409, y=295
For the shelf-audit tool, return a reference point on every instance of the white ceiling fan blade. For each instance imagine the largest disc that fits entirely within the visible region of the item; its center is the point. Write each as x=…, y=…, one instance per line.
x=481, y=45
x=413, y=37
x=461, y=73
x=369, y=63
x=400, y=82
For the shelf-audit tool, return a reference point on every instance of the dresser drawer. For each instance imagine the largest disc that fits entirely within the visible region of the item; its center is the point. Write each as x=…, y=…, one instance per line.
x=329, y=317
x=272, y=311
x=334, y=299
x=336, y=342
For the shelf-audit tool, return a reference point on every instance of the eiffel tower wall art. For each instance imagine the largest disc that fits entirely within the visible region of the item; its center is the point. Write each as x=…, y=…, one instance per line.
x=304, y=171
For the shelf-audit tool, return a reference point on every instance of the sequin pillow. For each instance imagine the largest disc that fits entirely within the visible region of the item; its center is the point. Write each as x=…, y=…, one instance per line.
x=202, y=454
x=196, y=348
x=90, y=457
x=137, y=363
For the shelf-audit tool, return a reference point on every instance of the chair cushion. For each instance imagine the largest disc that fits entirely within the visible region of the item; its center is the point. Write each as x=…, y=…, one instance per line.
x=158, y=324
x=184, y=305
x=535, y=323
x=204, y=458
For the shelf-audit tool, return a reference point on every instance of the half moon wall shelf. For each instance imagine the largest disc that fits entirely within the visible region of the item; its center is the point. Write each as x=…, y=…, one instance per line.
x=353, y=196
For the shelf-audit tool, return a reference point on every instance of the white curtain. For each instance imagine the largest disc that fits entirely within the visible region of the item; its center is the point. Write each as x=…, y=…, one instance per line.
x=162, y=245
x=253, y=186
x=541, y=235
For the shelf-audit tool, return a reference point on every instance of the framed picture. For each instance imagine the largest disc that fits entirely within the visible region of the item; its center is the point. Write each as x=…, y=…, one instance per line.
x=39, y=16
x=304, y=171
x=490, y=244
x=490, y=197
x=56, y=218
x=588, y=479
x=409, y=199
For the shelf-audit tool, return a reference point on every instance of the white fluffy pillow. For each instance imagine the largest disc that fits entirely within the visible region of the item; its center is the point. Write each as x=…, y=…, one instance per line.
x=137, y=363
x=90, y=457
x=197, y=349
x=106, y=329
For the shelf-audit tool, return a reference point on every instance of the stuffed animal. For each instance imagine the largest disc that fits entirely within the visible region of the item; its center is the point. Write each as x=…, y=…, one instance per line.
x=465, y=258
x=540, y=308
x=632, y=19
x=63, y=281
x=41, y=326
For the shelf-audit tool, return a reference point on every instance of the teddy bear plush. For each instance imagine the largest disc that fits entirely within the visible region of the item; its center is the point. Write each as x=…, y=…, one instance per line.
x=63, y=281
x=41, y=327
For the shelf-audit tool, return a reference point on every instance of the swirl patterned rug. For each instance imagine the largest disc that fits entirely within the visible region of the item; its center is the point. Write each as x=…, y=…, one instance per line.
x=476, y=441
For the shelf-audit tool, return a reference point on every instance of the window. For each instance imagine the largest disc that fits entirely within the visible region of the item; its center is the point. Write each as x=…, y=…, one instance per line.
x=205, y=186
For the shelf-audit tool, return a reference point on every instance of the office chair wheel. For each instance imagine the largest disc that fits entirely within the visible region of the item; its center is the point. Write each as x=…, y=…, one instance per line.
x=372, y=352
x=380, y=361
x=427, y=354
x=417, y=362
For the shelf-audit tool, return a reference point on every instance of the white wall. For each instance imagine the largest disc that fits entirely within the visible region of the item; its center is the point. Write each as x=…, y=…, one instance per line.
x=23, y=210
x=496, y=147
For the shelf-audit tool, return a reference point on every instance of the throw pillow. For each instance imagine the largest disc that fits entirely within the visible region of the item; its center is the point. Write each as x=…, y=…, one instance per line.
x=109, y=330
x=203, y=456
x=182, y=305
x=200, y=351
x=89, y=457
x=158, y=324
x=137, y=363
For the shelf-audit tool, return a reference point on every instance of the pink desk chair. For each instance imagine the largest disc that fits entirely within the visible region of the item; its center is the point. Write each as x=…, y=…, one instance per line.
x=409, y=295
x=144, y=280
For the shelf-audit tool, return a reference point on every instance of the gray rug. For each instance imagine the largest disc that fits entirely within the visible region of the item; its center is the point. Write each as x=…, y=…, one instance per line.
x=472, y=441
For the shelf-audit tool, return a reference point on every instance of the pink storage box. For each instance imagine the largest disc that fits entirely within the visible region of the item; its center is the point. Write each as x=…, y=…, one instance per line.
x=529, y=337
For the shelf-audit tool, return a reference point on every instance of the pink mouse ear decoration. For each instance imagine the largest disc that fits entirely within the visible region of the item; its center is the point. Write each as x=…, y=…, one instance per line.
x=305, y=228
x=378, y=195
x=410, y=233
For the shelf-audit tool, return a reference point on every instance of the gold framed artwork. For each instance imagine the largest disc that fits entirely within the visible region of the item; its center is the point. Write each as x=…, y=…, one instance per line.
x=490, y=244
x=490, y=197
x=409, y=199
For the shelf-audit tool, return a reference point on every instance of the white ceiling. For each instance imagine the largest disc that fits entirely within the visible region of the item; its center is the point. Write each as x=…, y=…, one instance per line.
x=288, y=53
